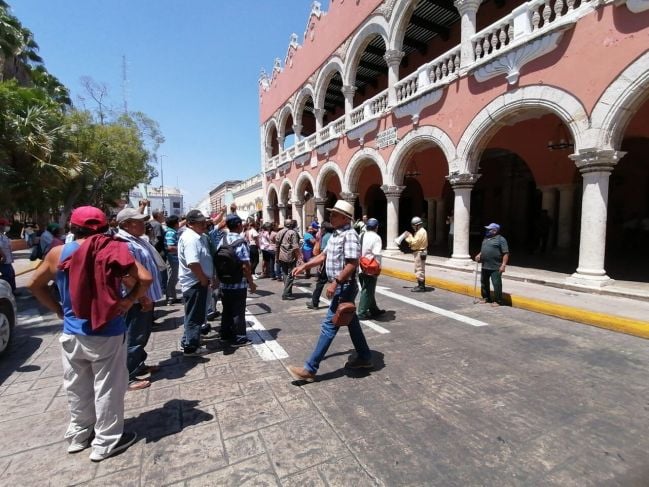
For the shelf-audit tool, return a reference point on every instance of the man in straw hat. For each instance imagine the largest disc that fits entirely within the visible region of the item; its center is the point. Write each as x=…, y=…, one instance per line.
x=341, y=260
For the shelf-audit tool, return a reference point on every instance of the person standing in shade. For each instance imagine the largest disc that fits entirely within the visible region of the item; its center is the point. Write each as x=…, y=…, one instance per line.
x=314, y=303
x=341, y=261
x=419, y=245
x=371, y=246
x=171, y=251
x=287, y=252
x=494, y=256
x=195, y=271
x=7, y=272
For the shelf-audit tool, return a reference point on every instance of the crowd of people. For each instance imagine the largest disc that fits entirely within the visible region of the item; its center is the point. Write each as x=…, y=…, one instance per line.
x=107, y=276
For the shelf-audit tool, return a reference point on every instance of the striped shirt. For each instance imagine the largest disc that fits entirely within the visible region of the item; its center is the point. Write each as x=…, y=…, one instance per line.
x=342, y=246
x=142, y=252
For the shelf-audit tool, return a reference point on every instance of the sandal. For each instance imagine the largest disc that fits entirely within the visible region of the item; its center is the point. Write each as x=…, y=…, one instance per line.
x=147, y=370
x=138, y=384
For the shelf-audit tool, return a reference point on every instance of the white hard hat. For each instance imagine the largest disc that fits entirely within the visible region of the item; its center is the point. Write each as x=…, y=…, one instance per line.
x=416, y=221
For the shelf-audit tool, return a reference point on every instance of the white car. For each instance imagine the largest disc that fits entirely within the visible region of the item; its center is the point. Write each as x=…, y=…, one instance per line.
x=7, y=315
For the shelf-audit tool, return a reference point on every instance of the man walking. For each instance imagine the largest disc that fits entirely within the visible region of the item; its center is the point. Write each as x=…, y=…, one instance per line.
x=234, y=286
x=287, y=251
x=419, y=245
x=494, y=256
x=341, y=261
x=371, y=247
x=314, y=302
x=194, y=274
x=139, y=319
x=95, y=376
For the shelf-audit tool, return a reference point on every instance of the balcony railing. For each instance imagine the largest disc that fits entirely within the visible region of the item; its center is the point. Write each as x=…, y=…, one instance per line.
x=524, y=23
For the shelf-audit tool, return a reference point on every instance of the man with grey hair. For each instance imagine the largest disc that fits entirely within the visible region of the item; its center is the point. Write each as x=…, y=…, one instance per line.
x=287, y=251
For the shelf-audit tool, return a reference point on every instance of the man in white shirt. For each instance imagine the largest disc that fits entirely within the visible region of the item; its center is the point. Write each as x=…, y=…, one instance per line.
x=195, y=270
x=371, y=246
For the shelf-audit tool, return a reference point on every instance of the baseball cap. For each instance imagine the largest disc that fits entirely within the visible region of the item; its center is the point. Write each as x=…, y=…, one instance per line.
x=315, y=225
x=4, y=221
x=130, y=214
x=372, y=223
x=195, y=216
x=493, y=226
x=232, y=219
x=88, y=217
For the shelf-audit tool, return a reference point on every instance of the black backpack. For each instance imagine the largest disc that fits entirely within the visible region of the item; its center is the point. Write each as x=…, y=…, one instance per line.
x=228, y=267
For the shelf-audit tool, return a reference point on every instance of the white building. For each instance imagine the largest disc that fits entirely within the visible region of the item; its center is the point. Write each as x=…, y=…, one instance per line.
x=165, y=198
x=248, y=195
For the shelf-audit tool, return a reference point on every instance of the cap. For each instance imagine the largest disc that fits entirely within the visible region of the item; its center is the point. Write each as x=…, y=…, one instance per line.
x=372, y=223
x=195, y=216
x=88, y=217
x=232, y=220
x=344, y=208
x=493, y=226
x=130, y=214
x=315, y=225
x=4, y=221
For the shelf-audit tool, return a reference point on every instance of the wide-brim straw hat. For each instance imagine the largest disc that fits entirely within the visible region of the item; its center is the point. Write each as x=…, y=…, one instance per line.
x=344, y=208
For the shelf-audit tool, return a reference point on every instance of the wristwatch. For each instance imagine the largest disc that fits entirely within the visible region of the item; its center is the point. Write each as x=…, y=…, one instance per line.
x=338, y=281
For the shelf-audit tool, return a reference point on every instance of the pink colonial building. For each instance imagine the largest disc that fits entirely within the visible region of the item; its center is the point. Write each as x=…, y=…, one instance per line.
x=531, y=114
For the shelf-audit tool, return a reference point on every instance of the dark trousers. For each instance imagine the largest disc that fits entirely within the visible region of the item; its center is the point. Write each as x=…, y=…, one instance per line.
x=138, y=331
x=9, y=275
x=497, y=281
x=254, y=258
x=269, y=260
x=195, y=302
x=287, y=270
x=319, y=286
x=367, y=302
x=233, y=319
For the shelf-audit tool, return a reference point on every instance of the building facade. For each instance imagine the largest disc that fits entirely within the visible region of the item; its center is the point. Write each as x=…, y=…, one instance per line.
x=248, y=195
x=530, y=114
x=167, y=199
x=221, y=196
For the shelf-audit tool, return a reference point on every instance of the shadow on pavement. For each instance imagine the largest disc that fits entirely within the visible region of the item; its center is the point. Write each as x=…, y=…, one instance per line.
x=22, y=348
x=378, y=361
x=170, y=418
x=389, y=315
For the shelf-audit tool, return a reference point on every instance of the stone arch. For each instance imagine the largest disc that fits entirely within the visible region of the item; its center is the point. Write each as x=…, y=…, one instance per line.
x=334, y=64
x=325, y=170
x=399, y=22
x=373, y=26
x=412, y=139
x=301, y=98
x=509, y=106
x=270, y=190
x=618, y=104
x=304, y=178
x=284, y=190
x=281, y=119
x=357, y=163
x=270, y=124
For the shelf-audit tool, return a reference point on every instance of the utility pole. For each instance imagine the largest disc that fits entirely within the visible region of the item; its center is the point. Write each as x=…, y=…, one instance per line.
x=124, y=85
x=162, y=184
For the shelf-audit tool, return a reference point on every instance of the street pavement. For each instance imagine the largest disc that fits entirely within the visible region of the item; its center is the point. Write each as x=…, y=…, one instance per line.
x=462, y=394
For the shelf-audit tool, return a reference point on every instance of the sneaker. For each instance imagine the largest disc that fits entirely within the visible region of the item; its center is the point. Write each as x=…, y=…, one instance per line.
x=79, y=446
x=300, y=373
x=359, y=364
x=198, y=352
x=212, y=316
x=240, y=342
x=206, y=329
x=124, y=442
x=310, y=305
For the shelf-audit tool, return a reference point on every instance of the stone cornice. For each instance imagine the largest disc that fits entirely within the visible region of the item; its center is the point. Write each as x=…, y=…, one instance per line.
x=467, y=6
x=362, y=130
x=596, y=160
x=464, y=180
x=350, y=197
x=302, y=159
x=414, y=106
x=392, y=191
x=326, y=147
x=320, y=201
x=393, y=57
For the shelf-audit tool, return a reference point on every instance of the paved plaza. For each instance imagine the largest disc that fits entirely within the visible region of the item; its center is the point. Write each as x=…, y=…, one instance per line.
x=461, y=395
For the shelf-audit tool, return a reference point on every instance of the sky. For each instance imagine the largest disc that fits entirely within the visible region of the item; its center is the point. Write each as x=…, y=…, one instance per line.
x=192, y=65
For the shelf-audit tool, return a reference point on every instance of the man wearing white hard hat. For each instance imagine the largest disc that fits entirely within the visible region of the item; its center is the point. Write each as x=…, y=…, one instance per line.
x=341, y=262
x=419, y=245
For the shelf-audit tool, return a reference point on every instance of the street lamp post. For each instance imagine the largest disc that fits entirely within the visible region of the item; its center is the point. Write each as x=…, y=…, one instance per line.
x=162, y=184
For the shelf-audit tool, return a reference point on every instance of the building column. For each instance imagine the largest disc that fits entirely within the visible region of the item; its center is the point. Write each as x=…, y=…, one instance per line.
x=392, y=194
x=319, y=117
x=595, y=166
x=280, y=144
x=297, y=131
x=462, y=185
x=468, y=10
x=351, y=199
x=270, y=213
x=440, y=220
x=282, y=214
x=348, y=93
x=430, y=219
x=297, y=214
x=393, y=59
x=566, y=208
x=320, y=204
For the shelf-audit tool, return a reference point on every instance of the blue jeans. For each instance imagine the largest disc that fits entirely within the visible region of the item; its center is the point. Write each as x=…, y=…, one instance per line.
x=344, y=293
x=233, y=319
x=138, y=331
x=195, y=298
x=9, y=275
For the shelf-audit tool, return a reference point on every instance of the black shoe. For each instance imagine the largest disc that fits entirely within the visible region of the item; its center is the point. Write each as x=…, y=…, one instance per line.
x=213, y=316
x=205, y=329
x=359, y=364
x=124, y=442
x=364, y=316
x=240, y=342
x=377, y=312
x=287, y=298
x=310, y=305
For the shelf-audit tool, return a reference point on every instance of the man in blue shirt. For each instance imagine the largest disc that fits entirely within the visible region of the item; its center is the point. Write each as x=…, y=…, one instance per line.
x=171, y=250
x=233, y=296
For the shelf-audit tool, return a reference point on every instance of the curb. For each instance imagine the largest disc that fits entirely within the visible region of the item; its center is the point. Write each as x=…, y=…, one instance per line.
x=618, y=324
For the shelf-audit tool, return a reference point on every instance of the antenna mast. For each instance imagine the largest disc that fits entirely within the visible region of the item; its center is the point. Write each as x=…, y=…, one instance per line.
x=124, y=85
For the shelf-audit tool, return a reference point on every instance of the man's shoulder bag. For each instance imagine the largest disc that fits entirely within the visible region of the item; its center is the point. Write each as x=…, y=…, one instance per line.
x=344, y=314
